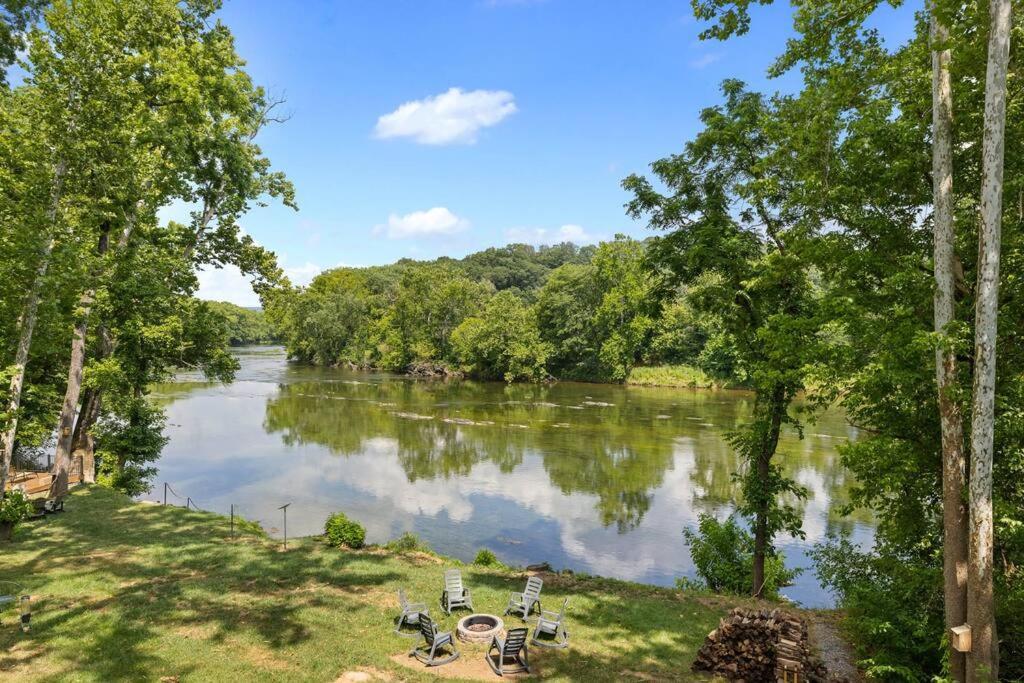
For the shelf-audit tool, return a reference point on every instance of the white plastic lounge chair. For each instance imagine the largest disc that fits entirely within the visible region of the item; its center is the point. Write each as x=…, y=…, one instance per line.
x=455, y=594
x=524, y=602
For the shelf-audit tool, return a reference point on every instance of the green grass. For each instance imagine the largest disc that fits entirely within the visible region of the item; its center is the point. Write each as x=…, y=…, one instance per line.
x=132, y=591
x=671, y=376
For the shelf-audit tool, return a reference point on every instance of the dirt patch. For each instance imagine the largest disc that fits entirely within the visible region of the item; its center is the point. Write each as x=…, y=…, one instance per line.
x=260, y=657
x=470, y=665
x=363, y=674
x=197, y=631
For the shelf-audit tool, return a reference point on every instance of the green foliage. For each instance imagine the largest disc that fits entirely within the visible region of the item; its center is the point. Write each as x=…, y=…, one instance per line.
x=723, y=555
x=342, y=531
x=516, y=313
x=14, y=507
x=896, y=643
x=503, y=342
x=131, y=437
x=244, y=325
x=406, y=543
x=748, y=271
x=486, y=558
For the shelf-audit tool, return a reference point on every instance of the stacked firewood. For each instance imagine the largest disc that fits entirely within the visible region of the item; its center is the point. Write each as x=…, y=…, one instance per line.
x=760, y=645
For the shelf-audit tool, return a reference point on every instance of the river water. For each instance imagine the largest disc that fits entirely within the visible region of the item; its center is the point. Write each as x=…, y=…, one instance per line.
x=596, y=478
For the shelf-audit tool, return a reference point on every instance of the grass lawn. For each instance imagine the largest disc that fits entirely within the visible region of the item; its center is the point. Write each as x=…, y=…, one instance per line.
x=132, y=591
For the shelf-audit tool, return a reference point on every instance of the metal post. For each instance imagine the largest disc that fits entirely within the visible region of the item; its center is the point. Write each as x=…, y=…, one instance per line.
x=188, y=502
x=165, y=493
x=285, y=508
x=232, y=520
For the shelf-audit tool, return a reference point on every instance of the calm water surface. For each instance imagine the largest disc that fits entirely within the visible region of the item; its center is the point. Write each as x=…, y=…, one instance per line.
x=596, y=478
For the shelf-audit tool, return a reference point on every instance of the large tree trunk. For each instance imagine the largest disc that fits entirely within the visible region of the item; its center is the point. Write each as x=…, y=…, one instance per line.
x=776, y=411
x=27, y=325
x=954, y=509
x=983, y=660
x=69, y=409
x=65, y=426
x=92, y=404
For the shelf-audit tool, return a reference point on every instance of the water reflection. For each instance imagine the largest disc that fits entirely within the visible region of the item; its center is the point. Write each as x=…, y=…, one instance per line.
x=593, y=477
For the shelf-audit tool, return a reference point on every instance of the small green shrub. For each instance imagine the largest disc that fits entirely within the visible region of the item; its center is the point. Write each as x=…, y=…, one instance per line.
x=485, y=558
x=407, y=542
x=342, y=531
x=723, y=554
x=15, y=506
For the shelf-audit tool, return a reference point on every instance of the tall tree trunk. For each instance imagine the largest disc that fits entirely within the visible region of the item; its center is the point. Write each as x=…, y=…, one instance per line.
x=954, y=509
x=770, y=442
x=65, y=426
x=92, y=404
x=69, y=409
x=27, y=325
x=983, y=660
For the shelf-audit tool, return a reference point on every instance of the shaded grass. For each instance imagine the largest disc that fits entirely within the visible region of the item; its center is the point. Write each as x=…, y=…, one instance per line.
x=134, y=591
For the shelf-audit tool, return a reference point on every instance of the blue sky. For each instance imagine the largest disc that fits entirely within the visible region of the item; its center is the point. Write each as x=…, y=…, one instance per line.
x=421, y=129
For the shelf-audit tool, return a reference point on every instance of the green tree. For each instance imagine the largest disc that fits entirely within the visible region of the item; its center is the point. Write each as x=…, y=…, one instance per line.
x=503, y=342
x=748, y=265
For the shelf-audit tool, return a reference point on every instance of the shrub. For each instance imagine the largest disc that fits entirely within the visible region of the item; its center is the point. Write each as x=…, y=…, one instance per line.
x=899, y=639
x=14, y=507
x=485, y=558
x=723, y=554
x=342, y=531
x=407, y=542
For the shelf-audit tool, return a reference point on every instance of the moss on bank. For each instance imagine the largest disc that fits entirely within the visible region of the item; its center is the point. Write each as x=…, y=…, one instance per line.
x=134, y=591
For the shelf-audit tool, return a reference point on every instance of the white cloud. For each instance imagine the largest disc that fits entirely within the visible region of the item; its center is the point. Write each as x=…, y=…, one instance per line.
x=302, y=275
x=705, y=60
x=570, y=232
x=226, y=284
x=436, y=221
x=453, y=117
x=229, y=284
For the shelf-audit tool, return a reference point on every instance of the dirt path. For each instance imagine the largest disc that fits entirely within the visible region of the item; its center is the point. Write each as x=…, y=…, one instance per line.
x=833, y=649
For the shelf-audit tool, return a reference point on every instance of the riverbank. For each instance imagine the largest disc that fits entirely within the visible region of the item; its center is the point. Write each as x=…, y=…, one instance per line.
x=135, y=591
x=679, y=376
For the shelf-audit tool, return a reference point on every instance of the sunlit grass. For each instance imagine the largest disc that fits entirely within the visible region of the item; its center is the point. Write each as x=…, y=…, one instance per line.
x=671, y=376
x=134, y=591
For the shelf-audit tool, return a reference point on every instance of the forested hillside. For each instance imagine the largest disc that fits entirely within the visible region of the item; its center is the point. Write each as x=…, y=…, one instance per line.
x=243, y=325
x=515, y=313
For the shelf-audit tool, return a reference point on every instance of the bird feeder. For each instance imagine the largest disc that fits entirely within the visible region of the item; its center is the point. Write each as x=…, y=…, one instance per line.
x=960, y=638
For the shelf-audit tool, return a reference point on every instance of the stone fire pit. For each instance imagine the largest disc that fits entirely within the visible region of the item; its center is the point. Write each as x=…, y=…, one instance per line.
x=479, y=628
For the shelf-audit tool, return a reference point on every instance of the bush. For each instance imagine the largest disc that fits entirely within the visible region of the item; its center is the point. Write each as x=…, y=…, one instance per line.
x=15, y=506
x=342, y=531
x=723, y=554
x=407, y=542
x=485, y=558
x=899, y=639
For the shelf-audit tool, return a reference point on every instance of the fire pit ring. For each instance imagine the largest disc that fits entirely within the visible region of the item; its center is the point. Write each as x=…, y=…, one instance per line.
x=479, y=628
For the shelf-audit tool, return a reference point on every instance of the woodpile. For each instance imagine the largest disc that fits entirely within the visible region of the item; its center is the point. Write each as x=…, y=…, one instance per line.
x=760, y=645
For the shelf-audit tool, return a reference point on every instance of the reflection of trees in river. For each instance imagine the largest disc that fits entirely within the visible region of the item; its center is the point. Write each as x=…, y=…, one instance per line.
x=609, y=442
x=597, y=454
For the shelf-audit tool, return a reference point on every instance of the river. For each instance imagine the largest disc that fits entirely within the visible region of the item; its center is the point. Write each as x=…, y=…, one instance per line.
x=596, y=478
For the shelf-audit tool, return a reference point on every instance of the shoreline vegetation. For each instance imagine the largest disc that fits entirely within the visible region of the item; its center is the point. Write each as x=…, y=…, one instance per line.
x=516, y=313
x=126, y=590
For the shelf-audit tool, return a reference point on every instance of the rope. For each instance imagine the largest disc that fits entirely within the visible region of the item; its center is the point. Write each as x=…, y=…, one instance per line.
x=173, y=492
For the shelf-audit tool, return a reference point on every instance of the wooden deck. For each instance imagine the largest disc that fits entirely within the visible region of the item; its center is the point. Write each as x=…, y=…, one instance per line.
x=37, y=484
